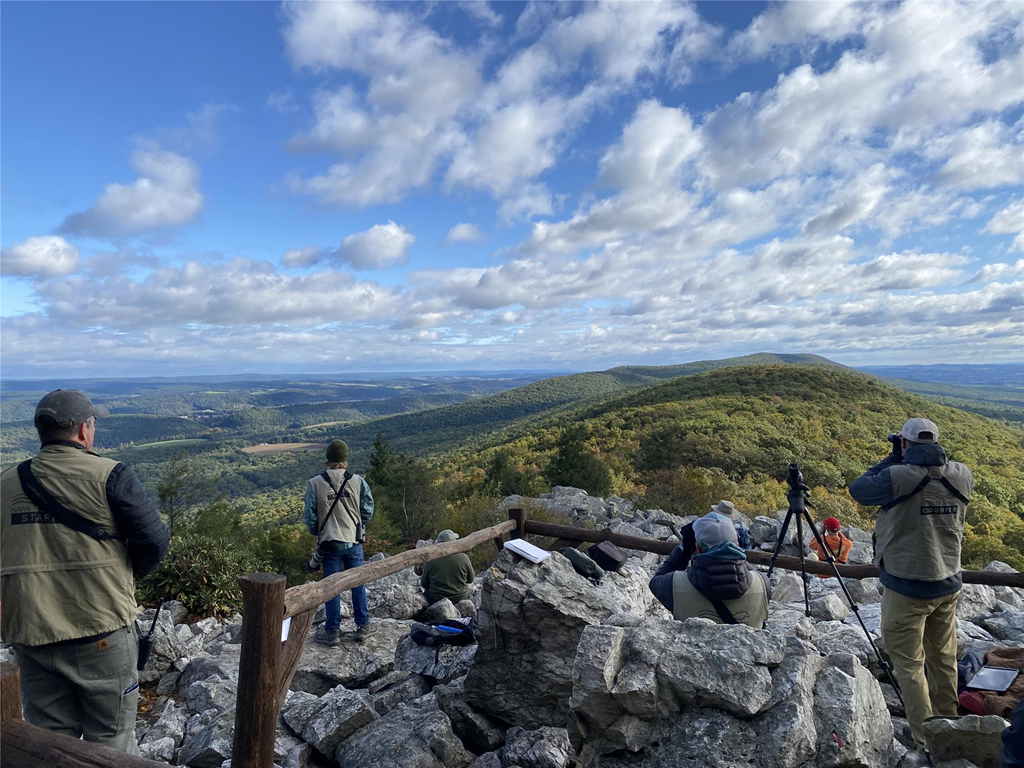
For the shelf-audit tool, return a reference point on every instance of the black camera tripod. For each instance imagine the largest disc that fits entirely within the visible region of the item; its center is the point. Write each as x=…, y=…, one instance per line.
x=798, y=503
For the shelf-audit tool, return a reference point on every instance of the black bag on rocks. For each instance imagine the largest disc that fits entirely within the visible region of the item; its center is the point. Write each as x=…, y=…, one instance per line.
x=608, y=556
x=584, y=566
x=444, y=632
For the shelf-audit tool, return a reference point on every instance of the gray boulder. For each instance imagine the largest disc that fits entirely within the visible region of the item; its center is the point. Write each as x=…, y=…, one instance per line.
x=972, y=737
x=975, y=600
x=171, y=724
x=853, y=722
x=333, y=718
x=541, y=748
x=395, y=600
x=1007, y=626
x=351, y=664
x=466, y=608
x=788, y=588
x=442, y=663
x=473, y=728
x=160, y=749
x=407, y=737
x=1013, y=597
x=400, y=692
x=441, y=610
x=830, y=607
x=531, y=621
x=864, y=591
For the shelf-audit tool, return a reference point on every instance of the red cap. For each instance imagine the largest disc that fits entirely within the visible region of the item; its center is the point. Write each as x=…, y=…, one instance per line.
x=831, y=524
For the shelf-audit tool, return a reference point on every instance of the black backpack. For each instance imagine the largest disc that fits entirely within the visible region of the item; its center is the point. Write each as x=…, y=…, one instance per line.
x=608, y=556
x=444, y=632
x=584, y=566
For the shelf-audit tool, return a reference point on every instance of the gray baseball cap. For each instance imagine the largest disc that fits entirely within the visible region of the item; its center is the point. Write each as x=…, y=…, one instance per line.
x=69, y=405
x=920, y=431
x=714, y=529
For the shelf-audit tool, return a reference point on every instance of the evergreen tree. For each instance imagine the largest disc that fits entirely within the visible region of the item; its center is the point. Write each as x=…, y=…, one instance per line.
x=576, y=465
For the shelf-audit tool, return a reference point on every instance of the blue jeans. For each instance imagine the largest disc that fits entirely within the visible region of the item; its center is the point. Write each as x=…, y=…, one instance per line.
x=337, y=560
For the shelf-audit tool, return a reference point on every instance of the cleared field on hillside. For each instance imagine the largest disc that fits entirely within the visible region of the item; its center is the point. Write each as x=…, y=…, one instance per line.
x=185, y=441
x=281, y=447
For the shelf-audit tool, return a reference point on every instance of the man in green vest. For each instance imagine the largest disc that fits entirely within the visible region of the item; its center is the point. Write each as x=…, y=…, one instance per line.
x=923, y=501
x=717, y=583
x=76, y=529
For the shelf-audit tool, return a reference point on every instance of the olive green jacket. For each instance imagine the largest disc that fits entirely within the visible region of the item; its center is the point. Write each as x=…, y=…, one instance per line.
x=56, y=583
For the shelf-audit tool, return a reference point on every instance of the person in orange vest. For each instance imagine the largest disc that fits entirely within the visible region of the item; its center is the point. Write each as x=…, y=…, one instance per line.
x=838, y=544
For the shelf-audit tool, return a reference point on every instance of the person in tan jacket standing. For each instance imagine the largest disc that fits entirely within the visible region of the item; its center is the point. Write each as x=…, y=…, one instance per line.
x=923, y=501
x=76, y=530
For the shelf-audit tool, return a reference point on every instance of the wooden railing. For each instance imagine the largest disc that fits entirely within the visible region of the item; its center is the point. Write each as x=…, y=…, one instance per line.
x=267, y=664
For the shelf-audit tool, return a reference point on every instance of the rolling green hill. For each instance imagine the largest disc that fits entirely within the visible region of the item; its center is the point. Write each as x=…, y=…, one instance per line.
x=505, y=413
x=732, y=433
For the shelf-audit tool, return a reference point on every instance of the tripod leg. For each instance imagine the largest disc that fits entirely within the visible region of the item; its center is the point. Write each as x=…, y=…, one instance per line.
x=803, y=567
x=886, y=666
x=778, y=543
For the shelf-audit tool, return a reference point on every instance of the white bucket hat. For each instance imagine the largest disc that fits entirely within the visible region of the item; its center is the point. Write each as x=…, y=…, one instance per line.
x=726, y=508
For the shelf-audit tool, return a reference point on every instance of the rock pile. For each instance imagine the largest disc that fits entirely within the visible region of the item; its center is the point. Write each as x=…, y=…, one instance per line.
x=569, y=673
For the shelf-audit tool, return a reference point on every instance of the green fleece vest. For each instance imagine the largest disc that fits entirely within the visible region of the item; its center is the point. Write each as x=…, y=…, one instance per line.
x=920, y=538
x=450, y=576
x=57, y=583
x=750, y=609
x=343, y=525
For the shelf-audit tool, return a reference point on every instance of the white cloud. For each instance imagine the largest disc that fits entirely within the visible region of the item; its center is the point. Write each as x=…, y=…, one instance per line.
x=379, y=247
x=992, y=273
x=303, y=257
x=1008, y=221
x=48, y=256
x=463, y=233
x=165, y=194
x=655, y=145
x=983, y=157
x=482, y=11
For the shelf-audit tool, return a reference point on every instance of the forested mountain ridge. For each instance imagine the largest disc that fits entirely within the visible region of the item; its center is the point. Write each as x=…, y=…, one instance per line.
x=731, y=433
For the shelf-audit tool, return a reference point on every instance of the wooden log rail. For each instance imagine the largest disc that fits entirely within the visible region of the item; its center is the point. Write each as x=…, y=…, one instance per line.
x=571, y=533
x=266, y=664
x=23, y=745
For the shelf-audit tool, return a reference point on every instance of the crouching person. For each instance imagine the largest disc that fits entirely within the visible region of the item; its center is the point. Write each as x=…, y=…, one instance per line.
x=450, y=576
x=719, y=583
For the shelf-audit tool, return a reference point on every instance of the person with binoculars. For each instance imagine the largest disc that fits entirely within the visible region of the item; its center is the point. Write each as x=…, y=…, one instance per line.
x=922, y=498
x=338, y=505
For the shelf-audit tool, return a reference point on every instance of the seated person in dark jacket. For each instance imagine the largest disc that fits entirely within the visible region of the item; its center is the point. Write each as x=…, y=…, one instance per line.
x=718, y=572
x=724, y=508
x=450, y=576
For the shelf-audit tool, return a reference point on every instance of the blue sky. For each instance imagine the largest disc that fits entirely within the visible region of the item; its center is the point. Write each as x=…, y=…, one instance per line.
x=222, y=187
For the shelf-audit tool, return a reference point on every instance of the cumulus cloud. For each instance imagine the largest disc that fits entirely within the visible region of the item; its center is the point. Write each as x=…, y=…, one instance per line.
x=379, y=247
x=49, y=256
x=463, y=233
x=1008, y=221
x=166, y=194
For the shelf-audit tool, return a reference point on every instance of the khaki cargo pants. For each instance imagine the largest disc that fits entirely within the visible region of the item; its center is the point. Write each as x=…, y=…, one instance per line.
x=920, y=637
x=89, y=691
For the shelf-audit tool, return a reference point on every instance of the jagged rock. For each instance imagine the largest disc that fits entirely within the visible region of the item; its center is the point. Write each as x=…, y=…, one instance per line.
x=864, y=591
x=351, y=664
x=838, y=637
x=408, y=737
x=171, y=724
x=169, y=682
x=531, y=622
x=892, y=701
x=205, y=666
x=762, y=531
x=298, y=708
x=412, y=687
x=298, y=757
x=210, y=694
x=211, y=745
x=788, y=589
x=830, y=607
x=442, y=663
x=339, y=714
x=971, y=737
x=541, y=748
x=473, y=728
x=1009, y=595
x=170, y=642
x=487, y=760
x=1007, y=626
x=466, y=608
x=787, y=623
x=787, y=731
x=395, y=600
x=441, y=610
x=623, y=678
x=848, y=703
x=160, y=749
x=901, y=731
x=975, y=600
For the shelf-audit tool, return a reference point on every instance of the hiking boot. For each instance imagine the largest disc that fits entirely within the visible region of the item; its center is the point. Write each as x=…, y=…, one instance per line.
x=325, y=636
x=321, y=615
x=365, y=631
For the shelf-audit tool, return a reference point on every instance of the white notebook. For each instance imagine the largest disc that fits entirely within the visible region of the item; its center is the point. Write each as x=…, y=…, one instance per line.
x=527, y=550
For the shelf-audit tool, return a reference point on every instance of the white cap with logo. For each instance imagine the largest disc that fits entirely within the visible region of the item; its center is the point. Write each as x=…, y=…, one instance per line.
x=920, y=431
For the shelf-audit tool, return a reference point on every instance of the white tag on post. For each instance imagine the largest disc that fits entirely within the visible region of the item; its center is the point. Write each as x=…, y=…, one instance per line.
x=286, y=627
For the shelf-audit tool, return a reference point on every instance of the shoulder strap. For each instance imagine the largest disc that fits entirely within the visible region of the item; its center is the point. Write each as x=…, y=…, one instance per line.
x=952, y=489
x=905, y=496
x=337, y=497
x=723, y=613
x=60, y=514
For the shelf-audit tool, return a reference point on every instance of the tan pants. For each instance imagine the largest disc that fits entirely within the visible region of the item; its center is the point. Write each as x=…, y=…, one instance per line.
x=88, y=691
x=920, y=636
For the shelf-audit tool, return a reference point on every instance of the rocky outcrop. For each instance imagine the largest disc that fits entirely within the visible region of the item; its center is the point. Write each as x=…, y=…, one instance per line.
x=973, y=738
x=441, y=663
x=685, y=692
x=353, y=665
x=531, y=620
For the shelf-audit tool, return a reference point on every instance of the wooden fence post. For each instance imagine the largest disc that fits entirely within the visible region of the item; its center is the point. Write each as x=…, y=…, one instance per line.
x=258, y=670
x=519, y=516
x=10, y=692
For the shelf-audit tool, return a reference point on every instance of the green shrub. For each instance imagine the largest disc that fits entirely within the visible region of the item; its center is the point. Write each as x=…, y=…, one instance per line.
x=202, y=573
